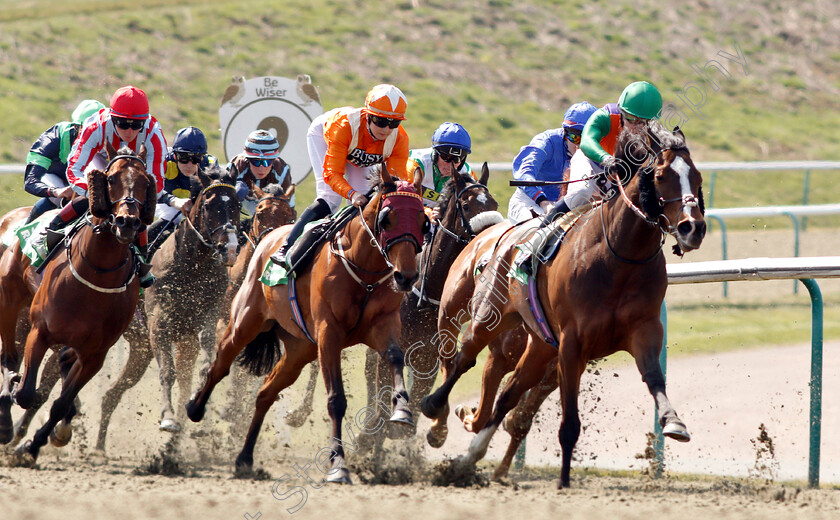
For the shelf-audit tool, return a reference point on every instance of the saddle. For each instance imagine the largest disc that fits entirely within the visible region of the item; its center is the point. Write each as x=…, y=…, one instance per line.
x=303, y=250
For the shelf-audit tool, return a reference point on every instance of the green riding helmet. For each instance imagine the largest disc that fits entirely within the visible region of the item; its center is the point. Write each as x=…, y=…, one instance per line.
x=641, y=99
x=85, y=109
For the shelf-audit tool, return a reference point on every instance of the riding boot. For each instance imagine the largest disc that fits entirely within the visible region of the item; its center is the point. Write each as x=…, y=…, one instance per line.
x=317, y=210
x=144, y=269
x=40, y=207
x=559, y=209
x=44, y=243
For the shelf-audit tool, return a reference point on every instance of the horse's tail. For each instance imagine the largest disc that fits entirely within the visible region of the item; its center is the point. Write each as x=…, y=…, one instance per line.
x=262, y=353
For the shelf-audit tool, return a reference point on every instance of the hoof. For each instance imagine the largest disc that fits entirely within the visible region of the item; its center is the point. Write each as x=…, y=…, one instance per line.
x=194, y=411
x=169, y=425
x=436, y=440
x=402, y=417
x=340, y=476
x=676, y=431
x=61, y=435
x=244, y=464
x=22, y=458
x=6, y=434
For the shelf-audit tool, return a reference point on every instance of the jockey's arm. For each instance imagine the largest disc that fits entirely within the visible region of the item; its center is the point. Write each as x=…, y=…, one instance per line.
x=596, y=129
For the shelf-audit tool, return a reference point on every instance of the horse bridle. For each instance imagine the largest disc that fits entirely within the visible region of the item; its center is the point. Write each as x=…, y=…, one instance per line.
x=111, y=220
x=687, y=199
x=256, y=240
x=464, y=220
x=226, y=226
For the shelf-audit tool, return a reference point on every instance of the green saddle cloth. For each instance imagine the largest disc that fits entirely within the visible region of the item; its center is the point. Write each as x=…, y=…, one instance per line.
x=32, y=237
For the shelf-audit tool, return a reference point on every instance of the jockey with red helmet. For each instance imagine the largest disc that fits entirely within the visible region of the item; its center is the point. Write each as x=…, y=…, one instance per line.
x=126, y=123
x=343, y=145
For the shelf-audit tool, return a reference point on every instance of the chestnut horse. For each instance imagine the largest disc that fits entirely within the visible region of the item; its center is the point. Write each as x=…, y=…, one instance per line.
x=601, y=293
x=350, y=293
x=85, y=298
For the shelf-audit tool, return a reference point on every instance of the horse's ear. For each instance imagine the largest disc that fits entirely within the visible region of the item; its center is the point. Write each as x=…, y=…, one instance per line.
x=460, y=183
x=226, y=176
x=485, y=174
x=384, y=174
x=258, y=192
x=418, y=180
x=203, y=178
x=290, y=191
x=100, y=202
x=109, y=148
x=142, y=154
x=147, y=215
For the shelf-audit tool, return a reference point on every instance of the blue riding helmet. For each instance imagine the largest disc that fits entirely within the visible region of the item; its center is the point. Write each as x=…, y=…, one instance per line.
x=190, y=140
x=577, y=115
x=452, y=139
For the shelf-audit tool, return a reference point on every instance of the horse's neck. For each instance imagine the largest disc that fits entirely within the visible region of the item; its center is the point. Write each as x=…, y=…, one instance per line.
x=629, y=235
x=442, y=252
x=192, y=242
x=101, y=250
x=361, y=251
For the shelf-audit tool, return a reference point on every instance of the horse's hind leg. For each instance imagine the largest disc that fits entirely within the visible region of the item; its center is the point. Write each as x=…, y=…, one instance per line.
x=495, y=368
x=139, y=357
x=518, y=423
x=646, y=344
x=297, y=353
x=527, y=374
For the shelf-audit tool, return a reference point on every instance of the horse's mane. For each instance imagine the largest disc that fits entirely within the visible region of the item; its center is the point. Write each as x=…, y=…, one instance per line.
x=214, y=172
x=636, y=148
x=375, y=179
x=274, y=189
x=126, y=150
x=450, y=190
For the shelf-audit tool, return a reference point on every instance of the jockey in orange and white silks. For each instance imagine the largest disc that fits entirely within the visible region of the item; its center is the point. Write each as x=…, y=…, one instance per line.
x=126, y=123
x=344, y=144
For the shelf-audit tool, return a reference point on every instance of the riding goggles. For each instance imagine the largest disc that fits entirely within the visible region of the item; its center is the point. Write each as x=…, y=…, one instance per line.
x=573, y=136
x=185, y=158
x=632, y=119
x=451, y=154
x=384, y=122
x=260, y=163
x=124, y=123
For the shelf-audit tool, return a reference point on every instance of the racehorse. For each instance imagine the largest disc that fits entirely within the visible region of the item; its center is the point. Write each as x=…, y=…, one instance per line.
x=601, y=293
x=350, y=293
x=84, y=299
x=466, y=208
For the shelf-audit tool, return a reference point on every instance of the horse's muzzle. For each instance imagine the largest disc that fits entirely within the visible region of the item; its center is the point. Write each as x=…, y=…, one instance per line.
x=125, y=228
x=228, y=249
x=690, y=233
x=404, y=281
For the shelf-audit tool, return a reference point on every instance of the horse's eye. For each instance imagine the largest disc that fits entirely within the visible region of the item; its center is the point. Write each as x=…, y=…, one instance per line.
x=466, y=207
x=111, y=180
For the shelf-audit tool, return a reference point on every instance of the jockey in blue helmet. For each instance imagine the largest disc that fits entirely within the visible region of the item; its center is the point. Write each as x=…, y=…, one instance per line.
x=448, y=155
x=546, y=158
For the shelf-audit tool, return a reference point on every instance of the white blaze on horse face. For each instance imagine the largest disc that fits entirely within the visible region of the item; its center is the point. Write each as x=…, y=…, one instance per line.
x=482, y=198
x=683, y=170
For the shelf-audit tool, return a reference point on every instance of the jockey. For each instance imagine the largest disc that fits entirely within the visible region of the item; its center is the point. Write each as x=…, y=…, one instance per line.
x=546, y=158
x=259, y=165
x=448, y=155
x=46, y=162
x=638, y=104
x=343, y=145
x=126, y=123
x=187, y=155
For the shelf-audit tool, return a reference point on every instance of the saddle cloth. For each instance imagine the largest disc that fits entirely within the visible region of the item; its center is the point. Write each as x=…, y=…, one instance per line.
x=304, y=248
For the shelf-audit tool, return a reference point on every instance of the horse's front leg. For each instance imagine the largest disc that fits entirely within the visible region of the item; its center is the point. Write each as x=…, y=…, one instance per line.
x=49, y=378
x=330, y=344
x=646, y=344
x=81, y=371
x=36, y=346
x=162, y=347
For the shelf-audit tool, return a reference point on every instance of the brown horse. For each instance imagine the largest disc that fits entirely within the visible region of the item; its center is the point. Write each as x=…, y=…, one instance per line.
x=466, y=208
x=86, y=297
x=349, y=294
x=601, y=293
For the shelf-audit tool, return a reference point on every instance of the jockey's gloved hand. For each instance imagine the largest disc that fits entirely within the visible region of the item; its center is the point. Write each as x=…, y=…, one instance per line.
x=358, y=200
x=182, y=205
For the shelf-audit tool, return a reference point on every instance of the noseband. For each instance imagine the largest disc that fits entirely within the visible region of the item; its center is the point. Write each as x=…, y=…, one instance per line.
x=463, y=216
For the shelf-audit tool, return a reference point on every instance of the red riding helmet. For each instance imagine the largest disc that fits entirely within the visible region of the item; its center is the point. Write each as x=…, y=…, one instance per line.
x=130, y=102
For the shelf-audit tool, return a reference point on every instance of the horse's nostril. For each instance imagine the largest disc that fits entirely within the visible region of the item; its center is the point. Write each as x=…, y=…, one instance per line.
x=119, y=221
x=398, y=276
x=701, y=229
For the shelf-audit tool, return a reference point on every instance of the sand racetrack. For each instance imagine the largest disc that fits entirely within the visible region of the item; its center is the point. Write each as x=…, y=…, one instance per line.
x=723, y=398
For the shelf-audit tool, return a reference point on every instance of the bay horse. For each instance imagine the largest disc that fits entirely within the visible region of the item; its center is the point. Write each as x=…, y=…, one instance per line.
x=84, y=299
x=350, y=293
x=601, y=293
x=466, y=208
